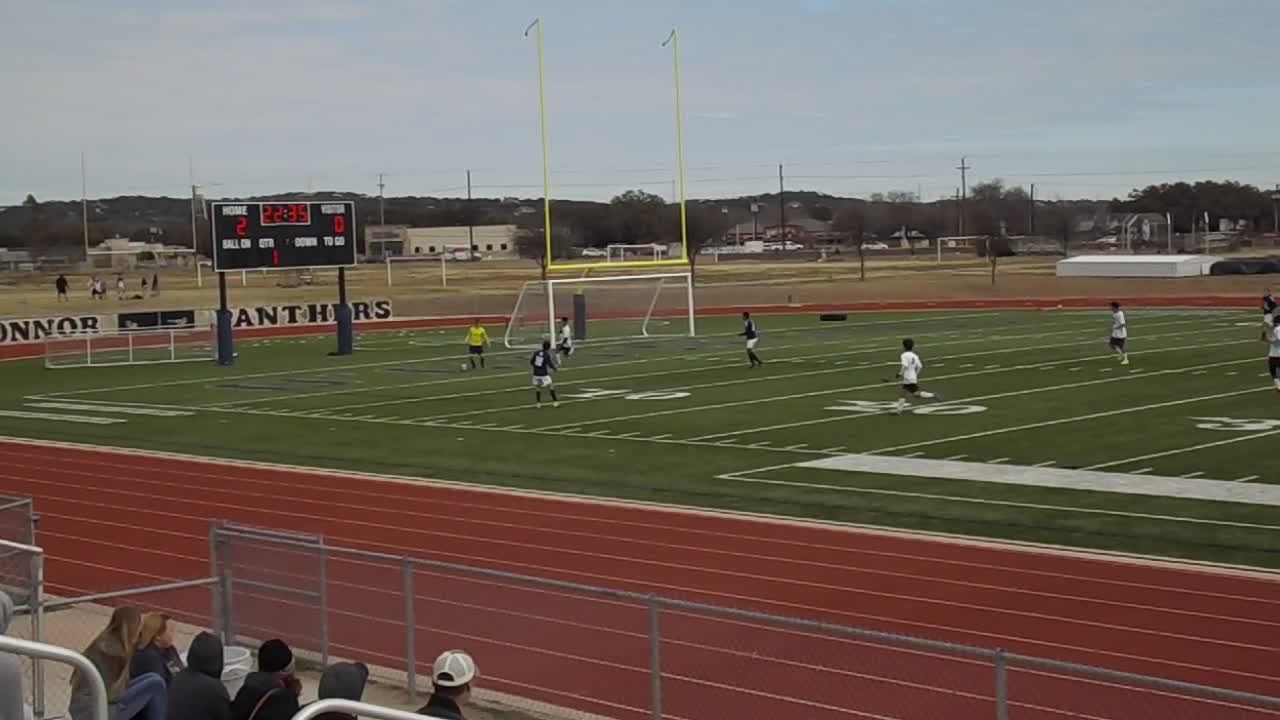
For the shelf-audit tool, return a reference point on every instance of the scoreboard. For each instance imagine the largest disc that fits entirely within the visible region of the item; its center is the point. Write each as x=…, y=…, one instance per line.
x=277, y=235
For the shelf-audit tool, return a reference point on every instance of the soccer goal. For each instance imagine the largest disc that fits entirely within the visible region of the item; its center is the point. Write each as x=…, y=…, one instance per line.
x=621, y=253
x=617, y=306
x=132, y=347
x=449, y=252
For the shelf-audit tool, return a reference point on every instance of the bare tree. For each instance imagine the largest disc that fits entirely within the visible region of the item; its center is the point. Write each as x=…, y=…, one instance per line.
x=853, y=220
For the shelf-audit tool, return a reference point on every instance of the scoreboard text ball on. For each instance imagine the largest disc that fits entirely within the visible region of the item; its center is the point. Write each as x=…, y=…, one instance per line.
x=273, y=235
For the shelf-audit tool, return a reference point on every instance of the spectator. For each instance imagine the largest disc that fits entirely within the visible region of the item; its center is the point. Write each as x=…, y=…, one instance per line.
x=272, y=692
x=110, y=653
x=11, y=692
x=156, y=653
x=121, y=289
x=155, y=283
x=61, y=286
x=342, y=681
x=144, y=284
x=451, y=678
x=197, y=692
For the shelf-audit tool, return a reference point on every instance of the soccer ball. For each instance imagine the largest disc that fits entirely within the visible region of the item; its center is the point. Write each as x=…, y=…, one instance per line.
x=464, y=367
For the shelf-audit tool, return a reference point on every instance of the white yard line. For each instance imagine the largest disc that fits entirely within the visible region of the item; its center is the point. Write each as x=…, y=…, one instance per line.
x=1246, y=478
x=1013, y=393
x=1193, y=448
x=744, y=478
x=1063, y=421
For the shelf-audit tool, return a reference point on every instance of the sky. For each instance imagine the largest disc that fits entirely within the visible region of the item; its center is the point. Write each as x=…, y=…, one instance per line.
x=1086, y=98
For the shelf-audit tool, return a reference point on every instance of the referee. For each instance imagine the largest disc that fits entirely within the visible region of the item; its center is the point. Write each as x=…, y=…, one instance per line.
x=477, y=341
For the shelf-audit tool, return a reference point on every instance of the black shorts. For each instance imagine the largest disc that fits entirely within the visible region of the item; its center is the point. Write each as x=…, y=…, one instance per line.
x=566, y=348
x=1117, y=343
x=1273, y=365
x=911, y=388
x=475, y=349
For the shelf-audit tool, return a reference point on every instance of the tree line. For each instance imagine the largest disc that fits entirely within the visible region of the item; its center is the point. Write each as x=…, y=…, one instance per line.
x=636, y=217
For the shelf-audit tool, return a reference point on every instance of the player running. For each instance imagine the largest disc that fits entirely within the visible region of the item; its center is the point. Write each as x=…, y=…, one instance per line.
x=1119, y=333
x=565, y=346
x=909, y=372
x=749, y=332
x=1268, y=314
x=477, y=341
x=1273, y=355
x=543, y=363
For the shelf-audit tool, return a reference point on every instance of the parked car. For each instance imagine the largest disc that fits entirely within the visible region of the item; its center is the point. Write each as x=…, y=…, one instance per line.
x=874, y=245
x=594, y=252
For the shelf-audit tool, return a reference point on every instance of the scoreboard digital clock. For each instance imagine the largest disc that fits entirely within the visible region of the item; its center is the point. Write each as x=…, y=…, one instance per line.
x=275, y=235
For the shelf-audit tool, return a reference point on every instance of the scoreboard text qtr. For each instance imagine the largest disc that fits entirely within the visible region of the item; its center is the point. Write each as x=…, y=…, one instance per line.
x=273, y=235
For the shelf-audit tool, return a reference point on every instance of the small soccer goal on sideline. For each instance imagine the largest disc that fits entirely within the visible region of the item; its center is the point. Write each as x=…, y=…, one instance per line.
x=617, y=306
x=132, y=347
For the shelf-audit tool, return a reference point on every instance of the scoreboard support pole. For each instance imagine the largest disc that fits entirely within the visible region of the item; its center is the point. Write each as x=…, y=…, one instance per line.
x=342, y=313
x=226, y=348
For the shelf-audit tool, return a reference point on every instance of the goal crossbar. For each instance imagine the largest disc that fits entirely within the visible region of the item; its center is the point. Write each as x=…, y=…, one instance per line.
x=511, y=337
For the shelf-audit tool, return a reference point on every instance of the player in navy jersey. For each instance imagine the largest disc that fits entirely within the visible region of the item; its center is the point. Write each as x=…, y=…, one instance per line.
x=1268, y=314
x=749, y=332
x=543, y=363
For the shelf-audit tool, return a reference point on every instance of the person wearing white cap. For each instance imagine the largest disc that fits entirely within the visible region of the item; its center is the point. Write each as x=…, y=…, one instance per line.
x=451, y=679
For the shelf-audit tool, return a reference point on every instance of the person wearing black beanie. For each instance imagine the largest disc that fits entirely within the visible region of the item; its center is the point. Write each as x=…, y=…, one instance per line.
x=272, y=692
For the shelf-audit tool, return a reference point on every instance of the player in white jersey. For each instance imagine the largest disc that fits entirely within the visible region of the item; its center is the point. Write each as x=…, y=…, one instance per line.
x=564, y=347
x=909, y=369
x=1273, y=354
x=1119, y=333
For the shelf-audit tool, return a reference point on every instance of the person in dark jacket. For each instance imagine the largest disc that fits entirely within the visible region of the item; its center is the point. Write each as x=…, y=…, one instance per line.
x=272, y=692
x=451, y=679
x=197, y=692
x=156, y=653
x=342, y=681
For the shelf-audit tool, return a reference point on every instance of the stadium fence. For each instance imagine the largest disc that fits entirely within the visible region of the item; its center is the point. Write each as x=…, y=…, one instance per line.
x=602, y=652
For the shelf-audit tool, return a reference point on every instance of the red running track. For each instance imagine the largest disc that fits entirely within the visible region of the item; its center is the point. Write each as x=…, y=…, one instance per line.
x=114, y=519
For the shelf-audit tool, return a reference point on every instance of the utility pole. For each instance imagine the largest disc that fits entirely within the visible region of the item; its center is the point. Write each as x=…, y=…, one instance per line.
x=1275, y=210
x=84, y=206
x=1031, y=212
x=964, y=169
x=382, y=208
x=782, y=206
x=959, y=215
x=471, y=231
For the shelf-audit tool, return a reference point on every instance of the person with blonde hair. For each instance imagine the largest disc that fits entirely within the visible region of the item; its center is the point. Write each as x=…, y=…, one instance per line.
x=110, y=652
x=155, y=651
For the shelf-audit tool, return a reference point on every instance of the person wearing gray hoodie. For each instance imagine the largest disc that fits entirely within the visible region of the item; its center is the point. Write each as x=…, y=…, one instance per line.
x=11, y=692
x=197, y=692
x=342, y=681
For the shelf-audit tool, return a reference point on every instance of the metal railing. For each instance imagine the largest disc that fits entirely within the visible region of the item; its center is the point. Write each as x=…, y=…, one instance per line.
x=597, y=651
x=38, y=652
x=131, y=347
x=357, y=709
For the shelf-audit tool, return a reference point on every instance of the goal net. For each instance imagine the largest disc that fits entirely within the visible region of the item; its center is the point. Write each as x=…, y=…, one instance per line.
x=618, y=252
x=616, y=307
x=133, y=347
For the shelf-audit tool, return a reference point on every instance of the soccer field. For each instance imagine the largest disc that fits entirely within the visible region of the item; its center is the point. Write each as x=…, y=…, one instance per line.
x=1177, y=449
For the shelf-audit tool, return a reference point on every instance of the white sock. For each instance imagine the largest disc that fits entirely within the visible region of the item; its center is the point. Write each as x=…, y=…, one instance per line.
x=901, y=403
x=926, y=394
x=1277, y=382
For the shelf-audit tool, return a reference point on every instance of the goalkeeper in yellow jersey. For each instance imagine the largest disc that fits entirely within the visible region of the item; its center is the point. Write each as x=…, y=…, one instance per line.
x=477, y=341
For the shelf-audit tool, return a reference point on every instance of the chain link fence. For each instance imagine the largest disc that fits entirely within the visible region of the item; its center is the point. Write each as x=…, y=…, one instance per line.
x=582, y=652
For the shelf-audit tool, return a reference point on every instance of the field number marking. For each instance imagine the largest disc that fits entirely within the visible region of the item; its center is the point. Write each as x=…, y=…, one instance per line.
x=596, y=393
x=877, y=406
x=1236, y=424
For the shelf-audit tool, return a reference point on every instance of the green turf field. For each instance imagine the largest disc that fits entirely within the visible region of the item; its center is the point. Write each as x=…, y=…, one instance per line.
x=683, y=420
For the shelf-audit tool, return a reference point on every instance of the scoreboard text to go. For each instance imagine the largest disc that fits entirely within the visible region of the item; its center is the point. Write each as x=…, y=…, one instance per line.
x=251, y=235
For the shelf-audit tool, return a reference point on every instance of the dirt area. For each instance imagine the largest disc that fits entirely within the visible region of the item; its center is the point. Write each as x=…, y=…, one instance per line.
x=491, y=287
